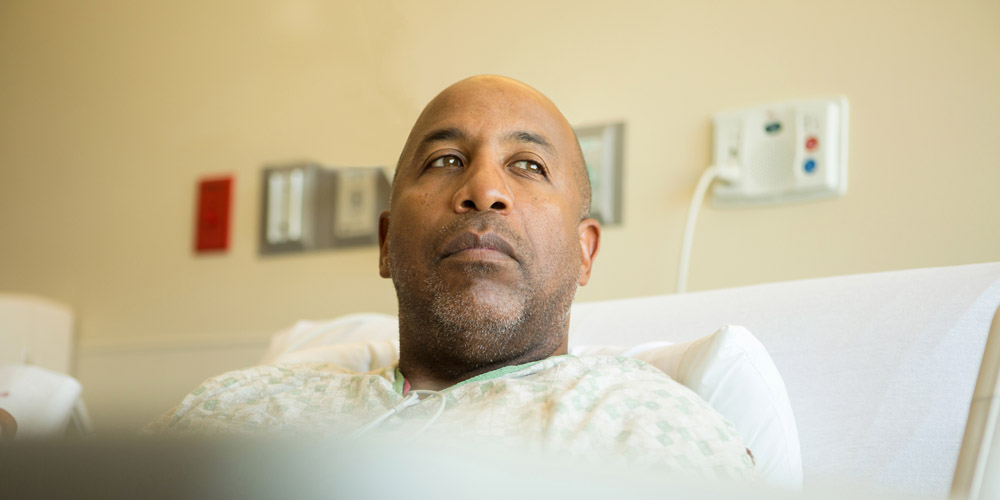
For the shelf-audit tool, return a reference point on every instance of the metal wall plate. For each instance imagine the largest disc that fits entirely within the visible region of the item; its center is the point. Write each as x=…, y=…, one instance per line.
x=603, y=151
x=306, y=206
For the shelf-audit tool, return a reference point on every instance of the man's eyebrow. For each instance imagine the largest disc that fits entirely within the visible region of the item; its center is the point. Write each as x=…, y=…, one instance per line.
x=442, y=134
x=439, y=135
x=456, y=134
x=533, y=138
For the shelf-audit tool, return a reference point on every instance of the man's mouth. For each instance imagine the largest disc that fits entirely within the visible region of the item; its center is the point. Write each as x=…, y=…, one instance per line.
x=472, y=246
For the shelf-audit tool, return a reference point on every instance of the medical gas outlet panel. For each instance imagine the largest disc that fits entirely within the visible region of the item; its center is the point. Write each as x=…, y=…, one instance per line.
x=786, y=152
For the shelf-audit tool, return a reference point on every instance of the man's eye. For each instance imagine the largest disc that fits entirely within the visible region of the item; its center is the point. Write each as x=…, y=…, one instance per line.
x=447, y=161
x=528, y=166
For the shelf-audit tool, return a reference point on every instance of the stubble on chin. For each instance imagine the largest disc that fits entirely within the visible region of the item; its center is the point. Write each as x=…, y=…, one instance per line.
x=481, y=322
x=458, y=331
x=467, y=326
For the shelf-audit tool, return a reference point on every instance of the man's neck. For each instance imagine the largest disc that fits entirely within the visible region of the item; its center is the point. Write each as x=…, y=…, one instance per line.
x=436, y=377
x=436, y=354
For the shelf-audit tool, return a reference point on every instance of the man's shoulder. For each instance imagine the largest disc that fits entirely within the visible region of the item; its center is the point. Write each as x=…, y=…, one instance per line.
x=597, y=377
x=292, y=374
x=249, y=390
x=621, y=364
x=609, y=367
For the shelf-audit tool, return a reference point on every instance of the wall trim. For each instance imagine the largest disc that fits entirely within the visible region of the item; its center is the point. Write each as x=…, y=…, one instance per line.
x=162, y=344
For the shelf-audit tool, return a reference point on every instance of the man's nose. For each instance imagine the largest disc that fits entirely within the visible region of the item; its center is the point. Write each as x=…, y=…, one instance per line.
x=483, y=188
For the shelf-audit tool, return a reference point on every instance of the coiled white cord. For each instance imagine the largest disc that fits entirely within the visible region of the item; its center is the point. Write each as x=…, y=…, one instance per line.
x=728, y=173
x=411, y=399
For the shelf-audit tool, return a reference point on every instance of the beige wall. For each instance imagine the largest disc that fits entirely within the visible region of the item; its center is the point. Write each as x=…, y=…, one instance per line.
x=110, y=112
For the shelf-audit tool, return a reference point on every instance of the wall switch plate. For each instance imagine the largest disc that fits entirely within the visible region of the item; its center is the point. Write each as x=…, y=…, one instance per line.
x=786, y=152
x=289, y=194
x=306, y=206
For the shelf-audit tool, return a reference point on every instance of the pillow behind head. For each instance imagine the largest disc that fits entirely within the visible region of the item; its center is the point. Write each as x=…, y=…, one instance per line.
x=360, y=357
x=327, y=341
x=731, y=370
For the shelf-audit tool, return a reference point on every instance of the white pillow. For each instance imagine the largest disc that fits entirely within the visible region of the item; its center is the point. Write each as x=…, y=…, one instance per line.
x=359, y=357
x=729, y=368
x=297, y=343
x=733, y=372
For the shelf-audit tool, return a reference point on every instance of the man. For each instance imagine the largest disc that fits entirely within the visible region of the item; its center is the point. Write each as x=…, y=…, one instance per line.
x=488, y=234
x=486, y=240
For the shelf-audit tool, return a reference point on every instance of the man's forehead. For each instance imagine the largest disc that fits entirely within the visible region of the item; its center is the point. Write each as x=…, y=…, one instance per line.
x=509, y=134
x=495, y=108
x=487, y=88
x=501, y=110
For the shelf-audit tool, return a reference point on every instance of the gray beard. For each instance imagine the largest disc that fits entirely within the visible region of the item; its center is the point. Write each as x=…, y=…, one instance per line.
x=487, y=328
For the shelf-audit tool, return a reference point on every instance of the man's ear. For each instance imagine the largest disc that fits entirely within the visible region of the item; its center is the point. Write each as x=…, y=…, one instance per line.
x=383, y=245
x=590, y=242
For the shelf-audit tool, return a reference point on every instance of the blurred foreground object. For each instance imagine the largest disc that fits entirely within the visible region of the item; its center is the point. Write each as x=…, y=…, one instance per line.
x=249, y=469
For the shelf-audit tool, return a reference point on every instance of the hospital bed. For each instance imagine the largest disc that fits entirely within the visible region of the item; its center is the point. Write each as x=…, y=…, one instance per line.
x=884, y=373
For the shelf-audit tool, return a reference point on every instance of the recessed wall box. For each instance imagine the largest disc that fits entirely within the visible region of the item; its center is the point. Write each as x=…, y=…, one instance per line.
x=307, y=206
x=786, y=152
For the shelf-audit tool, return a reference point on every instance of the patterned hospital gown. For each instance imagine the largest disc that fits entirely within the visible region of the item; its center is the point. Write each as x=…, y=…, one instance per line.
x=599, y=408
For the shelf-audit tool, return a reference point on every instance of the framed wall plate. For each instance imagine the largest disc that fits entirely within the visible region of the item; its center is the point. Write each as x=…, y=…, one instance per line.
x=603, y=151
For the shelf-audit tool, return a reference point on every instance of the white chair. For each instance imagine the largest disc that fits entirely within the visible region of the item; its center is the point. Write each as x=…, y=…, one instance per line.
x=36, y=345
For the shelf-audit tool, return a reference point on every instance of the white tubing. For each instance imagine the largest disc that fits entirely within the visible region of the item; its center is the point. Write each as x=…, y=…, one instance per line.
x=728, y=173
x=411, y=399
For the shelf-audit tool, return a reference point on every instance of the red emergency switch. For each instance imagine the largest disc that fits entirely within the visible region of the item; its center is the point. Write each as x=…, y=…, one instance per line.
x=212, y=231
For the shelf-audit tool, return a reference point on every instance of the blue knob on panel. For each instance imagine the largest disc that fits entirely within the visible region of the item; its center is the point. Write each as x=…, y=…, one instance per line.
x=809, y=166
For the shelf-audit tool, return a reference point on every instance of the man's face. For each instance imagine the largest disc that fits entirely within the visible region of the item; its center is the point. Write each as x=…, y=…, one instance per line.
x=485, y=232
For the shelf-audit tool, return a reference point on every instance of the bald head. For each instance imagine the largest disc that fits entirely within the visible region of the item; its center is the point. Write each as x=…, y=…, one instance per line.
x=496, y=101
